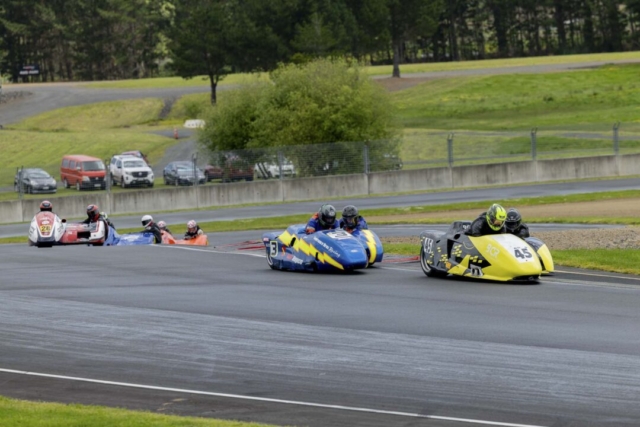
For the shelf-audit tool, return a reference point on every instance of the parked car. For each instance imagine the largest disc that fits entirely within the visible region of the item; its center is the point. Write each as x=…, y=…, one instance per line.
x=136, y=153
x=34, y=180
x=85, y=172
x=232, y=169
x=129, y=171
x=272, y=170
x=182, y=173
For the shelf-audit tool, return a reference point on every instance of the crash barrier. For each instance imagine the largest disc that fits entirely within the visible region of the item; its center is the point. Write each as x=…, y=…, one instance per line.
x=144, y=201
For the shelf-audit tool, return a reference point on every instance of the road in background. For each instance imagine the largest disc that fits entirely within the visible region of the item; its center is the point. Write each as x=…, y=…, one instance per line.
x=423, y=199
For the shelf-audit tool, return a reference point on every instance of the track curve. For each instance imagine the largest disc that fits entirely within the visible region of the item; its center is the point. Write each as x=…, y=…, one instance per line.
x=218, y=320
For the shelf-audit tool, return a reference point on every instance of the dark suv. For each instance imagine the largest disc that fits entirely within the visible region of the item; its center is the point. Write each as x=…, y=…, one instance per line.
x=233, y=168
x=182, y=173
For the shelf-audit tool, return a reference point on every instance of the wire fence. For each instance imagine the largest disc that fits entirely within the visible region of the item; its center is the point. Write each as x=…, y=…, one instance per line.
x=419, y=148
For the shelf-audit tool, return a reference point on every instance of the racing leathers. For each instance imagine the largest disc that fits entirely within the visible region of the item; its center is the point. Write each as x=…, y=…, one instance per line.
x=522, y=231
x=192, y=235
x=157, y=234
x=479, y=227
x=314, y=225
x=361, y=224
x=96, y=219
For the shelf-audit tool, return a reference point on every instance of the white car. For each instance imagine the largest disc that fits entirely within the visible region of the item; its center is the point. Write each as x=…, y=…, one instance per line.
x=130, y=171
x=272, y=170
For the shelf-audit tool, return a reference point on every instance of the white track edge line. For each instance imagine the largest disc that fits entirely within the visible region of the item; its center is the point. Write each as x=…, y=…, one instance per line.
x=266, y=399
x=598, y=275
x=211, y=251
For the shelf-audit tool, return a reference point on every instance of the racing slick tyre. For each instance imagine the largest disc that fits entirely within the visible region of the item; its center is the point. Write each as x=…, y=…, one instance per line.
x=428, y=270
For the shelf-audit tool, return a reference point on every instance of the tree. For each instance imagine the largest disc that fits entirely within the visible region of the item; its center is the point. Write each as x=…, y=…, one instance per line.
x=408, y=19
x=202, y=40
x=321, y=102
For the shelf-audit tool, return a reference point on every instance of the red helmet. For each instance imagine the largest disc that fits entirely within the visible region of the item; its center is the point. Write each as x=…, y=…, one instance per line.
x=93, y=211
x=191, y=225
x=162, y=225
x=46, y=206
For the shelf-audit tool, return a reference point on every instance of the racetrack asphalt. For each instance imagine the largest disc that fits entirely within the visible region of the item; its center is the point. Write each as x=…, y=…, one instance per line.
x=217, y=320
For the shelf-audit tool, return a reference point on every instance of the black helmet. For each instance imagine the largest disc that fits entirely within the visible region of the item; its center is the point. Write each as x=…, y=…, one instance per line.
x=513, y=220
x=327, y=215
x=350, y=216
x=46, y=206
x=93, y=211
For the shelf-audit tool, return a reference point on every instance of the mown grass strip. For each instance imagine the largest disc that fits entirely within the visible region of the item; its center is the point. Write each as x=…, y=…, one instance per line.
x=616, y=260
x=19, y=413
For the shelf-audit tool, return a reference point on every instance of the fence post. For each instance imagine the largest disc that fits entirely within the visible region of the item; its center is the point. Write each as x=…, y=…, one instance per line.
x=534, y=143
x=365, y=156
x=107, y=177
x=280, y=163
x=450, y=149
x=194, y=159
x=616, y=140
x=20, y=185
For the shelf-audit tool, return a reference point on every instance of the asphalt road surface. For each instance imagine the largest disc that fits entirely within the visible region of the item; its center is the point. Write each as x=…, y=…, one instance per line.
x=214, y=332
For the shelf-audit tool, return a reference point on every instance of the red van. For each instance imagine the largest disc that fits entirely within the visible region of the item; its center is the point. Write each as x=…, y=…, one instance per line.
x=83, y=172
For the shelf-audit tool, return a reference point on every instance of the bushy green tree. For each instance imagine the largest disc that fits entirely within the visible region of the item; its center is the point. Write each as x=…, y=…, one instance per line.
x=324, y=101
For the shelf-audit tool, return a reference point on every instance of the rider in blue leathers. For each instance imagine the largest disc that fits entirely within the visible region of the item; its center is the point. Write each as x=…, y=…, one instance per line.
x=324, y=219
x=351, y=220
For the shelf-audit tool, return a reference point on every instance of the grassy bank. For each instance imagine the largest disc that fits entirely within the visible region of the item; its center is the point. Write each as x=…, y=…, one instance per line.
x=587, y=102
x=565, y=100
x=19, y=413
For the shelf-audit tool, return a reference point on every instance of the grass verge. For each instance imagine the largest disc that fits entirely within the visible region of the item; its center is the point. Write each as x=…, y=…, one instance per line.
x=616, y=260
x=16, y=413
x=603, y=95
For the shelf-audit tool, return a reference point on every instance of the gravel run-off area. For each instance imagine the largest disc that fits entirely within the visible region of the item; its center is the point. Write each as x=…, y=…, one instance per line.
x=606, y=238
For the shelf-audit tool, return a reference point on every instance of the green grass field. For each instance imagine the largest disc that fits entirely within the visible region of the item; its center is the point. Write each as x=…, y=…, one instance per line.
x=20, y=413
x=562, y=101
x=574, y=112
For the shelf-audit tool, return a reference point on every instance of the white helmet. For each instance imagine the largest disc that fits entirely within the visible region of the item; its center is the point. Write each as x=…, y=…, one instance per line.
x=162, y=225
x=191, y=224
x=146, y=220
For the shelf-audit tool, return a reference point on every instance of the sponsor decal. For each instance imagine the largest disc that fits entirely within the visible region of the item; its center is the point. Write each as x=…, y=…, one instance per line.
x=327, y=247
x=493, y=251
x=296, y=260
x=340, y=234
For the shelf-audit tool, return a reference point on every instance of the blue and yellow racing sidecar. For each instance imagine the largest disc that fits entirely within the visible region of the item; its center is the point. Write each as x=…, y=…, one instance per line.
x=327, y=250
